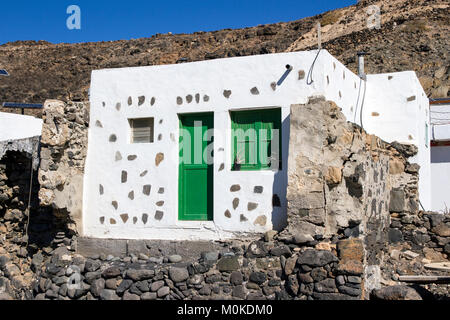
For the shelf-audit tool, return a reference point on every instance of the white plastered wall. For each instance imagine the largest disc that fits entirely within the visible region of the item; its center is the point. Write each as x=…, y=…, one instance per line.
x=440, y=176
x=16, y=126
x=165, y=84
x=440, y=158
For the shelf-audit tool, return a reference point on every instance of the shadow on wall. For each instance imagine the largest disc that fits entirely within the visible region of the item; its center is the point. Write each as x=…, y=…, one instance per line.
x=280, y=181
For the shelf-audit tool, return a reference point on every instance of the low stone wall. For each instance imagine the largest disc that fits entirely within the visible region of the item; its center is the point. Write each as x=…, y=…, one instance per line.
x=251, y=271
x=416, y=244
x=63, y=154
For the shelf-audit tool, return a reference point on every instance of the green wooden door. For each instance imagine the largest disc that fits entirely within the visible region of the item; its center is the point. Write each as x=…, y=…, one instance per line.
x=196, y=167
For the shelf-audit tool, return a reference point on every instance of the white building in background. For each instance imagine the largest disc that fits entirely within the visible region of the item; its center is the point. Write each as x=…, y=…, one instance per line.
x=16, y=126
x=440, y=154
x=135, y=185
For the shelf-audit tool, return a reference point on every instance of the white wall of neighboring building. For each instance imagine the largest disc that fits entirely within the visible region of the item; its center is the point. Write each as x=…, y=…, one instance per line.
x=440, y=122
x=440, y=175
x=15, y=126
x=330, y=78
x=440, y=157
x=397, y=109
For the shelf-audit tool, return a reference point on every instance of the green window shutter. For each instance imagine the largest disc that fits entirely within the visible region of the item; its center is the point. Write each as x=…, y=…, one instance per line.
x=253, y=134
x=245, y=141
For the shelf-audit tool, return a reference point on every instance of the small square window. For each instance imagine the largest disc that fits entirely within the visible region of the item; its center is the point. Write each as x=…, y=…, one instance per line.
x=142, y=130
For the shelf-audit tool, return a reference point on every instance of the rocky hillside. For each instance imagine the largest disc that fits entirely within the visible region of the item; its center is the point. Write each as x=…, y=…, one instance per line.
x=413, y=36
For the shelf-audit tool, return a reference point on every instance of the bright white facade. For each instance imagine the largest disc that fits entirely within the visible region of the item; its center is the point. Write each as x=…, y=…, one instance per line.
x=440, y=155
x=114, y=207
x=15, y=126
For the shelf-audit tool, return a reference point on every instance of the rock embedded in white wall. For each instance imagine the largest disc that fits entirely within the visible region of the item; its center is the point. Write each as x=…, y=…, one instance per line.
x=258, y=189
x=252, y=206
x=205, y=98
x=189, y=98
x=159, y=215
x=141, y=100
x=235, y=188
x=112, y=138
x=227, y=93
x=124, y=217
x=235, y=203
x=146, y=189
x=301, y=74
x=115, y=204
x=118, y=106
x=261, y=220
x=144, y=173
x=132, y=157
x=124, y=177
x=118, y=156
x=254, y=91
x=130, y=101
x=159, y=158
x=179, y=101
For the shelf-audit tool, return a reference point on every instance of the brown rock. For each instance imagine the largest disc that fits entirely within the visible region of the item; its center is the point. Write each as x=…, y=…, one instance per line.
x=159, y=158
x=334, y=175
x=396, y=166
x=442, y=230
x=351, y=249
x=350, y=267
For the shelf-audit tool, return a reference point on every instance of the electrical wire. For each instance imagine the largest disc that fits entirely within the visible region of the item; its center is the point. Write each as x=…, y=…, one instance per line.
x=312, y=68
x=362, y=103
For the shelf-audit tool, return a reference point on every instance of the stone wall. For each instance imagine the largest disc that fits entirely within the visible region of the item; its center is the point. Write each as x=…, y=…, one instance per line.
x=418, y=245
x=25, y=228
x=63, y=154
x=260, y=270
x=343, y=182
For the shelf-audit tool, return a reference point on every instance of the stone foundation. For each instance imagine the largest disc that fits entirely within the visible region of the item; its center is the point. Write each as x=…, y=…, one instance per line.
x=234, y=271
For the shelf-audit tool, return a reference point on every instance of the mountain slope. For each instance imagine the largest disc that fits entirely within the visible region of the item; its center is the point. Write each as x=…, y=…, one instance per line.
x=413, y=36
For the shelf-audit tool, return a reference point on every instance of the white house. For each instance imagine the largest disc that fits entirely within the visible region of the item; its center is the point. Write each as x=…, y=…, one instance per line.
x=440, y=154
x=145, y=177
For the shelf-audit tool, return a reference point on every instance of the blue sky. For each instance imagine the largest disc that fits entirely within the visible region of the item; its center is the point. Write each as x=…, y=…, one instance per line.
x=103, y=20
